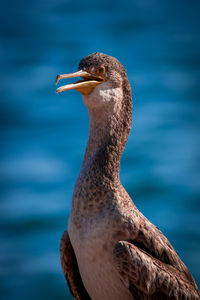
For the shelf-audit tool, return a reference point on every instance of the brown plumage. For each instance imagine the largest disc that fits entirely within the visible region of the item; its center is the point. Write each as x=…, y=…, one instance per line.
x=112, y=251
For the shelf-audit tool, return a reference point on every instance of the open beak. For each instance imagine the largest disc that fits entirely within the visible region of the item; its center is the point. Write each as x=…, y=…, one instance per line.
x=85, y=86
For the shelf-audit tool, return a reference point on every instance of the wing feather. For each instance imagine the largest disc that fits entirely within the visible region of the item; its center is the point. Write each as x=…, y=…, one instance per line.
x=148, y=277
x=151, y=240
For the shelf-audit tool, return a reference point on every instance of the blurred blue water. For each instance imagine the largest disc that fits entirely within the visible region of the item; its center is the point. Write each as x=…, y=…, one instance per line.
x=43, y=135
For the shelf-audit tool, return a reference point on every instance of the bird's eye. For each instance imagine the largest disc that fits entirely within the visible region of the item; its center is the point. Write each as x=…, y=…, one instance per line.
x=101, y=70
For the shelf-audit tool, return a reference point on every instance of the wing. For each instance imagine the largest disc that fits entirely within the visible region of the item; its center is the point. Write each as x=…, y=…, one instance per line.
x=153, y=271
x=145, y=260
x=70, y=269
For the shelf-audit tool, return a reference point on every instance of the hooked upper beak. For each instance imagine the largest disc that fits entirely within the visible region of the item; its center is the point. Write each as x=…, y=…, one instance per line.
x=85, y=86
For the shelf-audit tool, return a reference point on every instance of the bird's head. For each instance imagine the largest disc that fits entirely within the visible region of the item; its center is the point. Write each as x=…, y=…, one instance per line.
x=102, y=80
x=106, y=93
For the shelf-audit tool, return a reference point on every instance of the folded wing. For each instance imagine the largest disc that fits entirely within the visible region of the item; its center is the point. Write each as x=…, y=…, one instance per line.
x=70, y=269
x=151, y=269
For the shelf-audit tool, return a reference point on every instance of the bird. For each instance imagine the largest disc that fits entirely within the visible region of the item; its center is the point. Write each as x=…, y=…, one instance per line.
x=111, y=251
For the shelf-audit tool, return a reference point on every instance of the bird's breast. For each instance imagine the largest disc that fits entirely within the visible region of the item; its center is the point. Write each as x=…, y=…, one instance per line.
x=93, y=246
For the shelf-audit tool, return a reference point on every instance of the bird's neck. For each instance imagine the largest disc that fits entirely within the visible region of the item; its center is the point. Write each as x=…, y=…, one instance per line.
x=104, y=150
x=99, y=175
x=108, y=134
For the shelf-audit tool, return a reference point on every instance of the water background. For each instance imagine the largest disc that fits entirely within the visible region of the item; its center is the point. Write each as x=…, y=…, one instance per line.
x=43, y=135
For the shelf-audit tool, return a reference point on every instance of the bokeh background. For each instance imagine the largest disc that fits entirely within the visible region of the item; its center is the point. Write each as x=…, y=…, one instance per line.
x=43, y=135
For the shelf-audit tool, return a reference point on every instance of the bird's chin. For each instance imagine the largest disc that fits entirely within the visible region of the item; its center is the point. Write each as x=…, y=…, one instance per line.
x=104, y=99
